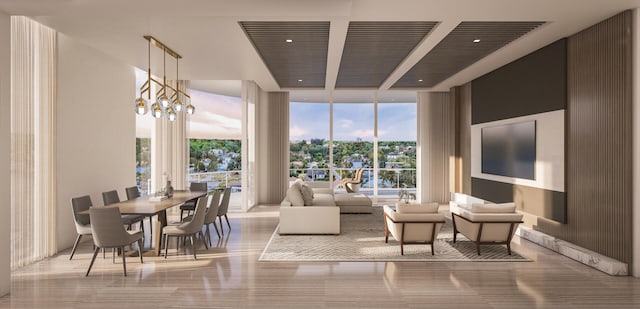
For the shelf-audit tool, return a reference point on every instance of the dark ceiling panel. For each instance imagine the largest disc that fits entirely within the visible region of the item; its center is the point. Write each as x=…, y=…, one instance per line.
x=373, y=50
x=303, y=59
x=457, y=51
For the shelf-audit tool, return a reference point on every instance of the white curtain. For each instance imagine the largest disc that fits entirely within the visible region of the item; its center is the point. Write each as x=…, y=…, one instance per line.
x=170, y=150
x=435, y=146
x=250, y=98
x=33, y=129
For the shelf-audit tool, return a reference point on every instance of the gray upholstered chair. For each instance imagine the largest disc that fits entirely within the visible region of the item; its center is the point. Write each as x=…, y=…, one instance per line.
x=133, y=192
x=83, y=223
x=413, y=224
x=108, y=232
x=224, y=207
x=212, y=214
x=111, y=197
x=189, y=228
x=189, y=206
x=213, y=205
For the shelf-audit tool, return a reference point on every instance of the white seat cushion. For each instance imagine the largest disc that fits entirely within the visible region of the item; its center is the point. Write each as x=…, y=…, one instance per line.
x=352, y=199
x=494, y=208
x=417, y=208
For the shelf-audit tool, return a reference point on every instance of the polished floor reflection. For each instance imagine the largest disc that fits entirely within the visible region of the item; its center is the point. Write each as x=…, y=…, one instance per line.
x=230, y=275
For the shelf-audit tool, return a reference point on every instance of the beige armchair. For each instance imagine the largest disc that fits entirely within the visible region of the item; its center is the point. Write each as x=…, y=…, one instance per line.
x=413, y=224
x=487, y=224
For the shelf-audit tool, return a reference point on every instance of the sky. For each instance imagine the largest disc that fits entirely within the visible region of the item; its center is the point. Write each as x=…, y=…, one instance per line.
x=396, y=121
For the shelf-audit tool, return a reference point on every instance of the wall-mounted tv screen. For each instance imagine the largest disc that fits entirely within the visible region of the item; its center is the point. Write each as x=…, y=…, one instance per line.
x=510, y=150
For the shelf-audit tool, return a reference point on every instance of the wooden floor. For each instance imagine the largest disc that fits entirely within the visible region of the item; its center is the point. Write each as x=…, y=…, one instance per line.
x=230, y=275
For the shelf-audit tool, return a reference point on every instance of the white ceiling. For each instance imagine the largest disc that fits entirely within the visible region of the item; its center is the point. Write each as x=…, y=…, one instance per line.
x=206, y=32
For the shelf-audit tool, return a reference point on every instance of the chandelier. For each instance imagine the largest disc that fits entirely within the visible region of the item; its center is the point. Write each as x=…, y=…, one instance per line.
x=169, y=100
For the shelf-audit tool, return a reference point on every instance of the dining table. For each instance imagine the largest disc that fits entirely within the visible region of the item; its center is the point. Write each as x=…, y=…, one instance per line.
x=150, y=205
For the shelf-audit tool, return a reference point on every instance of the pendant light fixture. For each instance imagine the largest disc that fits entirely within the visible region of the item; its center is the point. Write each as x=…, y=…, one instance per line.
x=164, y=104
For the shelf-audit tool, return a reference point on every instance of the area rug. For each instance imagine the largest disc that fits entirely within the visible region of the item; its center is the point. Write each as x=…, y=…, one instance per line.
x=362, y=239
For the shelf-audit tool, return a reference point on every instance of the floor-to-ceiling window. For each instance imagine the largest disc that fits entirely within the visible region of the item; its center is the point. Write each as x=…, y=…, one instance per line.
x=351, y=130
x=396, y=145
x=309, y=135
x=214, y=134
x=353, y=137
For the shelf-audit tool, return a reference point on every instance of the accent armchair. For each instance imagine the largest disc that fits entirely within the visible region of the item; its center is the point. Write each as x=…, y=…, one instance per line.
x=413, y=224
x=348, y=183
x=487, y=224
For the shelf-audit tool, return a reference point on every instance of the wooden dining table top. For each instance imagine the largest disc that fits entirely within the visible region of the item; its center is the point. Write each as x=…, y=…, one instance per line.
x=145, y=206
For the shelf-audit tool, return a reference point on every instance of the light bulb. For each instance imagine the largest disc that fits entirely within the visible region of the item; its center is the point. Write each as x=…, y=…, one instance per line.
x=141, y=106
x=191, y=109
x=177, y=105
x=171, y=114
x=164, y=101
x=156, y=111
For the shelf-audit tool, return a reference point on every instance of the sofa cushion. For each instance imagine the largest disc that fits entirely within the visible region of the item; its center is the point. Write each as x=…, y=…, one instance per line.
x=307, y=194
x=320, y=199
x=352, y=199
x=294, y=195
x=404, y=208
x=494, y=208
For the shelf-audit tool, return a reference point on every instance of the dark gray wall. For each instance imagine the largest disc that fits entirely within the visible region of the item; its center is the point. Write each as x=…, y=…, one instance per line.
x=535, y=83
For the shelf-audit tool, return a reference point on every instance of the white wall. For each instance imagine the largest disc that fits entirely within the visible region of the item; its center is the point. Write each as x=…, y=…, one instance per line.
x=96, y=129
x=5, y=153
x=549, y=168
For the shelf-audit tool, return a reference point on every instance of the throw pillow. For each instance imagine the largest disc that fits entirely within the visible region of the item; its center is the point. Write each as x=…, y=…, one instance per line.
x=494, y=208
x=307, y=194
x=295, y=196
x=403, y=208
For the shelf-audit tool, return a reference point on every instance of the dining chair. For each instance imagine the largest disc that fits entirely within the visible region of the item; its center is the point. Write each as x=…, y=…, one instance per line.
x=212, y=214
x=111, y=197
x=108, y=232
x=189, y=228
x=133, y=192
x=189, y=206
x=83, y=223
x=224, y=207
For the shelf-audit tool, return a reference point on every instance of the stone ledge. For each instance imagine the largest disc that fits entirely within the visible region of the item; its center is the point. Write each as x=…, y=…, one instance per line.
x=585, y=256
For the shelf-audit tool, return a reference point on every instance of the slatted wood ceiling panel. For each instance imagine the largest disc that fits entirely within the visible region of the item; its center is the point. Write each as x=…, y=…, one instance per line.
x=599, y=155
x=372, y=50
x=457, y=51
x=304, y=59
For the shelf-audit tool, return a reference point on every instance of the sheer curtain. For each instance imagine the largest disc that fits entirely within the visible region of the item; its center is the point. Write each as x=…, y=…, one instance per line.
x=33, y=128
x=169, y=150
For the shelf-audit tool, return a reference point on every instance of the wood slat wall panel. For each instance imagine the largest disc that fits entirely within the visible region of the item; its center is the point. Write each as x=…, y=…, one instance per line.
x=457, y=50
x=372, y=50
x=304, y=59
x=599, y=157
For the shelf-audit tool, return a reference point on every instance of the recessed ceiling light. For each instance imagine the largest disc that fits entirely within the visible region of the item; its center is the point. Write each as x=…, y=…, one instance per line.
x=300, y=81
x=289, y=40
x=476, y=41
x=420, y=80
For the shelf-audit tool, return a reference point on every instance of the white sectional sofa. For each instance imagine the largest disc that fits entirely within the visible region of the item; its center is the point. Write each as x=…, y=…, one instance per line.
x=307, y=210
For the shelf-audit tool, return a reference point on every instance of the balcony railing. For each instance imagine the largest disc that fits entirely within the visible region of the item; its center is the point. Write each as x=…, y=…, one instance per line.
x=216, y=180
x=390, y=180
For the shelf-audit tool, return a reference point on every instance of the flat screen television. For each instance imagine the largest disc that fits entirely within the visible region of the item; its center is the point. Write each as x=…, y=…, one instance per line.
x=510, y=150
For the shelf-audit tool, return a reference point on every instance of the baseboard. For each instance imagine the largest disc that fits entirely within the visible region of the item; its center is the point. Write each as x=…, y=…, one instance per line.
x=585, y=256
